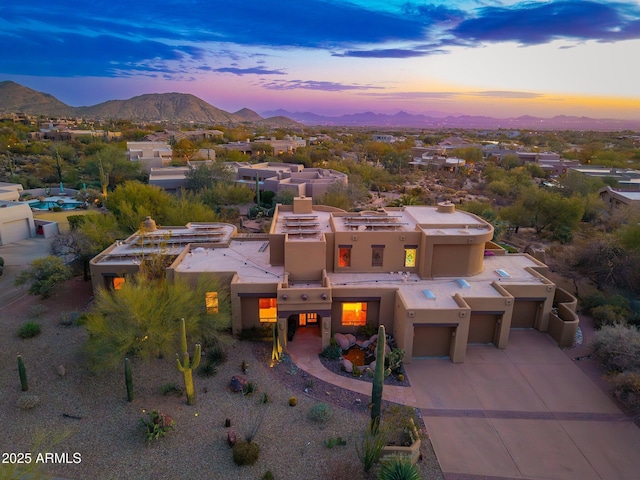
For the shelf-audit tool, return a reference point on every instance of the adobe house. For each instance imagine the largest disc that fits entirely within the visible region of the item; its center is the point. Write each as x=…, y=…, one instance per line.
x=431, y=275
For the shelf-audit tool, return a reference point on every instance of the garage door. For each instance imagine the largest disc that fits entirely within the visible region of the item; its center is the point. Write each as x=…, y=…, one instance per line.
x=15, y=231
x=525, y=313
x=482, y=327
x=432, y=341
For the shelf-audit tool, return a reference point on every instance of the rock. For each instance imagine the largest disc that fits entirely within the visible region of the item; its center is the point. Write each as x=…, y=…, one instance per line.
x=351, y=338
x=61, y=370
x=232, y=438
x=373, y=339
x=347, y=365
x=372, y=366
x=364, y=344
x=238, y=383
x=342, y=341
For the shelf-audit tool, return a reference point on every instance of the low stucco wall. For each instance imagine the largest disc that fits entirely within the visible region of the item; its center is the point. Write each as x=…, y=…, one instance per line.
x=563, y=320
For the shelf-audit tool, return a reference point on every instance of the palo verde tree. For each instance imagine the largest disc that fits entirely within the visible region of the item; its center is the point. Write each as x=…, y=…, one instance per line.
x=43, y=275
x=143, y=318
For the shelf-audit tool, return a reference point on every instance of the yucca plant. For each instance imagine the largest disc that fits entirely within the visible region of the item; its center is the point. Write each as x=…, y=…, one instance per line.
x=398, y=468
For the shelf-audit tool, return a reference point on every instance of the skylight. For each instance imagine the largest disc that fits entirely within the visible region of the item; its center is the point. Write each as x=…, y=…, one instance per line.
x=502, y=273
x=462, y=283
x=429, y=294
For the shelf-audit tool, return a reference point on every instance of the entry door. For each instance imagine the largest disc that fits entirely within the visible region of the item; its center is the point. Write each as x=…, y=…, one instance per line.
x=305, y=319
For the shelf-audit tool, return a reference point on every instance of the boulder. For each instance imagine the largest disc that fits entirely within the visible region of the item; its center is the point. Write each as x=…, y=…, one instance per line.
x=342, y=341
x=372, y=366
x=364, y=344
x=61, y=370
x=232, y=438
x=373, y=339
x=351, y=338
x=238, y=383
x=347, y=365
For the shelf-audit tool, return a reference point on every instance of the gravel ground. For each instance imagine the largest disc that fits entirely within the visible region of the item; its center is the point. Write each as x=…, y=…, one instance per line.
x=85, y=414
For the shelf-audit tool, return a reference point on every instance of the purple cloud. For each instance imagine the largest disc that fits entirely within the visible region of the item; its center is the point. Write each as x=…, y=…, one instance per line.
x=315, y=85
x=248, y=71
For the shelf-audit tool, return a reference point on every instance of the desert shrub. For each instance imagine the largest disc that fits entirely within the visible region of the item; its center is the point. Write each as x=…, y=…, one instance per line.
x=618, y=347
x=216, y=355
x=27, y=402
x=401, y=424
x=207, y=369
x=156, y=425
x=170, y=388
x=37, y=310
x=245, y=453
x=626, y=387
x=293, y=401
x=265, y=398
x=267, y=475
x=1, y=262
x=256, y=333
x=332, y=351
x=68, y=319
x=333, y=442
x=608, y=315
x=250, y=388
x=398, y=468
x=29, y=329
x=43, y=275
x=368, y=330
x=370, y=447
x=320, y=412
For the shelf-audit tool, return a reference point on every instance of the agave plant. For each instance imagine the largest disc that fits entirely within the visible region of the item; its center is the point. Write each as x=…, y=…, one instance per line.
x=398, y=468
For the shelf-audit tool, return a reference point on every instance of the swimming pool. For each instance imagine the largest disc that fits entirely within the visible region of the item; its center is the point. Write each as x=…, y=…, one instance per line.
x=50, y=203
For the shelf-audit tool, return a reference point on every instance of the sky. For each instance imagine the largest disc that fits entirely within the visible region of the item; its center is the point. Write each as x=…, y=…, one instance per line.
x=472, y=57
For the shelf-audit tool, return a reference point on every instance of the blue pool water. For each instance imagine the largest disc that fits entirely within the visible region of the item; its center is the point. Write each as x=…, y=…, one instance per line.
x=48, y=205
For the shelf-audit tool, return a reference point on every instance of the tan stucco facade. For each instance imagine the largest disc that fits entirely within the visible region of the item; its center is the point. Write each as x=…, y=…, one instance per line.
x=431, y=275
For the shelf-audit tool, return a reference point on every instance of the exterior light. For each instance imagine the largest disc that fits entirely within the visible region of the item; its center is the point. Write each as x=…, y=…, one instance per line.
x=305, y=296
x=323, y=296
x=284, y=296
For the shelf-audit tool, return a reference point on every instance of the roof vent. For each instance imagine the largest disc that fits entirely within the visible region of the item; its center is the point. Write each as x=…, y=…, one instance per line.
x=149, y=225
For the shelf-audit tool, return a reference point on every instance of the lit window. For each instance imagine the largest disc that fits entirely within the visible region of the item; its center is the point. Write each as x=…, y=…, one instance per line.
x=268, y=310
x=410, y=255
x=354, y=314
x=344, y=256
x=118, y=283
x=307, y=318
x=211, y=301
x=376, y=256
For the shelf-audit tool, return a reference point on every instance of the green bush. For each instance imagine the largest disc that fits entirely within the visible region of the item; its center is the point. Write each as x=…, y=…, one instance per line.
x=207, y=369
x=608, y=315
x=320, y=412
x=216, y=355
x=28, y=330
x=170, y=388
x=626, y=387
x=267, y=475
x=398, y=468
x=37, y=310
x=245, y=453
x=368, y=330
x=156, y=425
x=332, y=351
x=618, y=347
x=1, y=262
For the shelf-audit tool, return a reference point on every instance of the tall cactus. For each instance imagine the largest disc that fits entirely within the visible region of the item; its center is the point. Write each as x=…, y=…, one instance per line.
x=22, y=371
x=128, y=378
x=378, y=381
x=187, y=365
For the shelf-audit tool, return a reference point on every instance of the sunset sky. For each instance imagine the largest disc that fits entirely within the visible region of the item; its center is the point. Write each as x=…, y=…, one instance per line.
x=476, y=57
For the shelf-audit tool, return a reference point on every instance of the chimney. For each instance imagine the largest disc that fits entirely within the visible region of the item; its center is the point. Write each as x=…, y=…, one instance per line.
x=302, y=205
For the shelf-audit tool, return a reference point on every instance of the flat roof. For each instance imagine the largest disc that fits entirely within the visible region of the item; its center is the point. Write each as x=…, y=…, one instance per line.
x=249, y=258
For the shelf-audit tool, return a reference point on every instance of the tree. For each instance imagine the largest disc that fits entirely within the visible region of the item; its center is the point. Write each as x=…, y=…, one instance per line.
x=208, y=175
x=133, y=201
x=183, y=150
x=93, y=233
x=143, y=318
x=44, y=275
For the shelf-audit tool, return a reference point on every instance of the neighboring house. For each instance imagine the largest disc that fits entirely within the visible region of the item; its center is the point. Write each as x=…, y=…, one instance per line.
x=626, y=178
x=615, y=198
x=10, y=191
x=16, y=222
x=431, y=275
x=276, y=177
x=288, y=144
x=149, y=154
x=438, y=163
x=379, y=137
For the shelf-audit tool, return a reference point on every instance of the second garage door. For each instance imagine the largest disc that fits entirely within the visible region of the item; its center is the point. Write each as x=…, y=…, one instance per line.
x=482, y=327
x=525, y=313
x=15, y=231
x=432, y=340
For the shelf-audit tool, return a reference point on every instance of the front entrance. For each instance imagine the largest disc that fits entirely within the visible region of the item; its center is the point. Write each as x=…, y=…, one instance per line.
x=310, y=321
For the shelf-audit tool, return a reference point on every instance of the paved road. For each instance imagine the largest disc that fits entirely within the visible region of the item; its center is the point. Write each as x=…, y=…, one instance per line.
x=524, y=412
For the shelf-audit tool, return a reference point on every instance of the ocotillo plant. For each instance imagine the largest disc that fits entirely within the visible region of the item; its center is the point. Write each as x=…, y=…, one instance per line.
x=187, y=366
x=22, y=371
x=128, y=379
x=378, y=381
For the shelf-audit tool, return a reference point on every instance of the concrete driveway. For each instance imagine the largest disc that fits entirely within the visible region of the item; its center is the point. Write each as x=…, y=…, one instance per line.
x=524, y=412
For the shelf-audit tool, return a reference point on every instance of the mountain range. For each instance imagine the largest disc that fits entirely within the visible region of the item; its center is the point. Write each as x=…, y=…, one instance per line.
x=182, y=107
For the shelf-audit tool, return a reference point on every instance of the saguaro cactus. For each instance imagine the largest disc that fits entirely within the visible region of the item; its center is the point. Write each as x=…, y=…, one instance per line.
x=378, y=381
x=128, y=379
x=187, y=365
x=22, y=371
